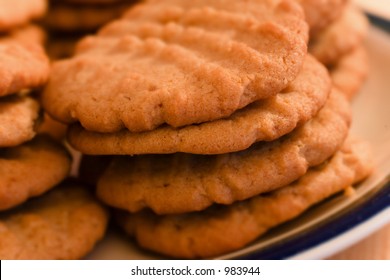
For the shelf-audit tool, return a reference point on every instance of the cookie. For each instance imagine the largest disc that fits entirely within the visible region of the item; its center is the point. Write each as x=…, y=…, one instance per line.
x=31, y=169
x=80, y=18
x=341, y=37
x=222, y=229
x=22, y=65
x=319, y=14
x=147, y=73
x=261, y=121
x=350, y=72
x=15, y=13
x=65, y=223
x=18, y=120
x=181, y=183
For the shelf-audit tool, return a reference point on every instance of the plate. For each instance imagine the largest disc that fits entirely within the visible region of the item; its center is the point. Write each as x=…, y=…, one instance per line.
x=338, y=222
x=380, y=9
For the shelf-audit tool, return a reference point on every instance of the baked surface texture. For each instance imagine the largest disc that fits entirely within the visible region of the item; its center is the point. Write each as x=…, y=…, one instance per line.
x=221, y=229
x=23, y=62
x=208, y=61
x=18, y=120
x=31, y=169
x=319, y=14
x=351, y=71
x=264, y=120
x=341, y=37
x=181, y=183
x=65, y=223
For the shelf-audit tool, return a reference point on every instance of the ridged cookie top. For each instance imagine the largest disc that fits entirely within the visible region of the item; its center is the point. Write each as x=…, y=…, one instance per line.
x=222, y=229
x=180, y=183
x=201, y=62
x=18, y=12
x=264, y=120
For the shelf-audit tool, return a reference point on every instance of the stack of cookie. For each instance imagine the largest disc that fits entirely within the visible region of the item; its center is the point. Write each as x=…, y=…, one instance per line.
x=69, y=20
x=222, y=124
x=31, y=164
x=338, y=42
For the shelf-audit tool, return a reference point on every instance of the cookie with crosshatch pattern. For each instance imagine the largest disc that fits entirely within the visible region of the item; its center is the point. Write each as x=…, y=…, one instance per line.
x=181, y=183
x=211, y=59
x=264, y=120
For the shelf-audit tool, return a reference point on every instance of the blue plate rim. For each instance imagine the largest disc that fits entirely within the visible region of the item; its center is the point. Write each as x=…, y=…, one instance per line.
x=360, y=212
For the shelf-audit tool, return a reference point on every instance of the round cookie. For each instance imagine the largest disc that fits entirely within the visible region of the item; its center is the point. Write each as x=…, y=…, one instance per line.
x=18, y=120
x=80, y=18
x=31, y=169
x=187, y=71
x=350, y=72
x=181, y=183
x=65, y=223
x=23, y=65
x=319, y=14
x=262, y=121
x=341, y=37
x=222, y=229
x=14, y=13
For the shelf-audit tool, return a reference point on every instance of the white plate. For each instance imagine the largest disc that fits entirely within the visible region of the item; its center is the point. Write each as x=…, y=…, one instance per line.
x=379, y=8
x=338, y=222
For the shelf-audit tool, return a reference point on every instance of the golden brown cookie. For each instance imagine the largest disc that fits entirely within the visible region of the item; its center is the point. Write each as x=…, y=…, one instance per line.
x=65, y=223
x=341, y=37
x=181, y=183
x=23, y=65
x=222, y=229
x=82, y=18
x=319, y=14
x=350, y=72
x=205, y=65
x=18, y=120
x=14, y=13
x=261, y=121
x=31, y=169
